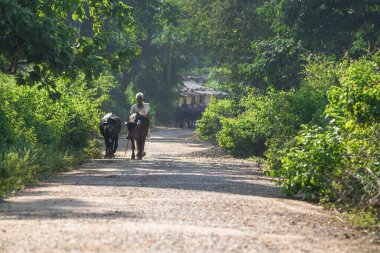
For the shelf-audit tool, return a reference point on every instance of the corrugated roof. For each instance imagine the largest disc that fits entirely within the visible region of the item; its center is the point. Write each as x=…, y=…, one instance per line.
x=192, y=88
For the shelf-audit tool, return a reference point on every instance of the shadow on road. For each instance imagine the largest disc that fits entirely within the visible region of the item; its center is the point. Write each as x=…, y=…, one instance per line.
x=176, y=174
x=164, y=171
x=54, y=208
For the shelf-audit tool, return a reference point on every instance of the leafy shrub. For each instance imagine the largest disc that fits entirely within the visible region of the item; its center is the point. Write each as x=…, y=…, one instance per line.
x=307, y=104
x=270, y=120
x=339, y=161
x=210, y=123
x=17, y=131
x=356, y=100
x=240, y=136
x=246, y=134
x=354, y=106
x=17, y=167
x=314, y=165
x=78, y=113
x=41, y=136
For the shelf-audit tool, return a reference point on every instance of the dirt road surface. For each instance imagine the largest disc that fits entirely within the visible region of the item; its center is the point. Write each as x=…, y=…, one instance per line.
x=181, y=198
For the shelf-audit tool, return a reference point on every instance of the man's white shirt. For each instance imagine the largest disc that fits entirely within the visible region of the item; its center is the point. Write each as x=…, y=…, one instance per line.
x=144, y=109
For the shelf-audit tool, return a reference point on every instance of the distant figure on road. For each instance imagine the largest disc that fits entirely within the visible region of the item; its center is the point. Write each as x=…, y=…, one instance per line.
x=201, y=107
x=184, y=105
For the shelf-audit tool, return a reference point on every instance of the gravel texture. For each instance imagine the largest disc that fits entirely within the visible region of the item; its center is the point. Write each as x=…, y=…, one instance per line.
x=185, y=196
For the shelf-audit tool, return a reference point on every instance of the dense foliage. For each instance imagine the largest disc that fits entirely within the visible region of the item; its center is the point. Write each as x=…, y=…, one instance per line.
x=320, y=140
x=56, y=37
x=333, y=26
x=76, y=59
x=40, y=136
x=305, y=94
x=339, y=161
x=156, y=70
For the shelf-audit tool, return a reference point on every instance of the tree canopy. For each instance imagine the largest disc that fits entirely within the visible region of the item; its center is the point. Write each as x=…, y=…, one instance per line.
x=333, y=26
x=42, y=38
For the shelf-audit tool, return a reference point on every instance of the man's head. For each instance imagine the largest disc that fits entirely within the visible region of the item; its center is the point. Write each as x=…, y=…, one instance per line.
x=139, y=97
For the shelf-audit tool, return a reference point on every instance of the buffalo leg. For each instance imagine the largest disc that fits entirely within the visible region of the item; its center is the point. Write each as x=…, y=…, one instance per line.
x=112, y=148
x=108, y=144
x=142, y=146
x=116, y=145
x=139, y=152
x=133, y=149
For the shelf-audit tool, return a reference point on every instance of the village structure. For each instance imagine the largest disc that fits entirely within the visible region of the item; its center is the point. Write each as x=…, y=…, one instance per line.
x=196, y=93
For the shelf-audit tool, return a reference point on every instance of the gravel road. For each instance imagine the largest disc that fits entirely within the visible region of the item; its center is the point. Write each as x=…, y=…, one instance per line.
x=183, y=197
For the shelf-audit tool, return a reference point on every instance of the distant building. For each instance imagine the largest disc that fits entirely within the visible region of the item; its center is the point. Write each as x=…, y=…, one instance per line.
x=195, y=93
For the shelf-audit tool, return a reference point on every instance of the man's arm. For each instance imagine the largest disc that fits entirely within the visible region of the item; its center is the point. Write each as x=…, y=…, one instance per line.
x=133, y=109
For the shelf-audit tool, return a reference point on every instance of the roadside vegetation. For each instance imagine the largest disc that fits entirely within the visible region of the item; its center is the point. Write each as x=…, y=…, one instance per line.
x=63, y=65
x=40, y=136
x=304, y=96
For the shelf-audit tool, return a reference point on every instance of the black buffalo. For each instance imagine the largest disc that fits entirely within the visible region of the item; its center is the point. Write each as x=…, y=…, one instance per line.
x=187, y=117
x=138, y=127
x=110, y=126
x=179, y=117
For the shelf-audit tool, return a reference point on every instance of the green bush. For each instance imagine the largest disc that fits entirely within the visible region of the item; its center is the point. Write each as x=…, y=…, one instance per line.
x=356, y=100
x=14, y=128
x=314, y=165
x=339, y=161
x=246, y=134
x=241, y=136
x=210, y=123
x=306, y=104
x=41, y=136
x=24, y=166
x=17, y=168
x=269, y=120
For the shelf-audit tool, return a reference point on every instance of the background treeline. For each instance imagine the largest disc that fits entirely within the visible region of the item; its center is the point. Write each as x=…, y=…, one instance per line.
x=304, y=78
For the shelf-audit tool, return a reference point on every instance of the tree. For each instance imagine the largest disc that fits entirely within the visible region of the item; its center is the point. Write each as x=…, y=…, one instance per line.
x=226, y=27
x=46, y=38
x=276, y=62
x=333, y=26
x=155, y=71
